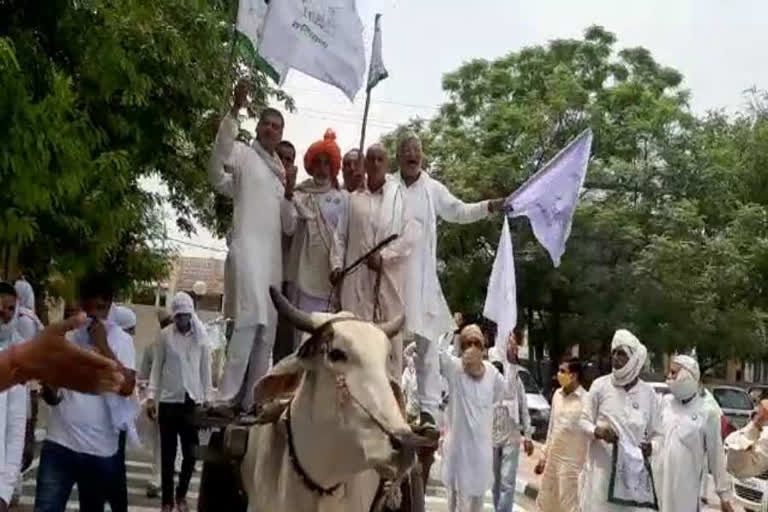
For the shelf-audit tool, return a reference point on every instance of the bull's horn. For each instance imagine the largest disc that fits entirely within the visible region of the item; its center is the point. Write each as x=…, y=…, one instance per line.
x=392, y=327
x=298, y=318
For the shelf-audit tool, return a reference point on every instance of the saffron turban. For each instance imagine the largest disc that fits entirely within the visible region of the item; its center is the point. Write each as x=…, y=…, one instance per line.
x=326, y=146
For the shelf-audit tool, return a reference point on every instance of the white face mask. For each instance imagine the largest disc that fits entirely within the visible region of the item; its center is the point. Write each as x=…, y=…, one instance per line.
x=7, y=331
x=684, y=386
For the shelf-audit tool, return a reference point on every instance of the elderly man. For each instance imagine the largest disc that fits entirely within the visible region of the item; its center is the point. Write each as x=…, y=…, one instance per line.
x=474, y=385
x=256, y=184
x=374, y=291
x=691, y=439
x=428, y=317
x=317, y=207
x=620, y=408
x=352, y=171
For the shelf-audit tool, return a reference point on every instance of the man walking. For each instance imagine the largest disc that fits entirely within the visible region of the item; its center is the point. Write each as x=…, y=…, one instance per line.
x=257, y=185
x=566, y=448
x=511, y=420
x=82, y=443
x=691, y=442
x=620, y=408
x=180, y=380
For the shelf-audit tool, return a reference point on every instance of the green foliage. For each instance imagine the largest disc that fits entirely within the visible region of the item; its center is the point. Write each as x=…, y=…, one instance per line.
x=670, y=236
x=94, y=96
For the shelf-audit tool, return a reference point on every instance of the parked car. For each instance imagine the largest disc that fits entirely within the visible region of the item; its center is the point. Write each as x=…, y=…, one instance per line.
x=538, y=407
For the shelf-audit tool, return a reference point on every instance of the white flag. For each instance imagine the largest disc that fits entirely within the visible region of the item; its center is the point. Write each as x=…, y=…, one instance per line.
x=250, y=21
x=322, y=38
x=501, y=298
x=376, y=71
x=550, y=196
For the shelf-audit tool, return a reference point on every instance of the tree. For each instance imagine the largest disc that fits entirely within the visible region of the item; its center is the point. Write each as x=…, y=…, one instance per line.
x=96, y=95
x=664, y=217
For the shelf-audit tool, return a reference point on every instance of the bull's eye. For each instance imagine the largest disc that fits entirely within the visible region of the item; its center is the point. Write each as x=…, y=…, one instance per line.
x=337, y=356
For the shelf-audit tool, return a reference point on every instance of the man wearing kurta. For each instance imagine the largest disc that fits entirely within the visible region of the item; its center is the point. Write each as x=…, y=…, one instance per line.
x=374, y=291
x=428, y=316
x=317, y=206
x=352, y=171
x=474, y=386
x=566, y=447
x=256, y=185
x=691, y=441
x=619, y=408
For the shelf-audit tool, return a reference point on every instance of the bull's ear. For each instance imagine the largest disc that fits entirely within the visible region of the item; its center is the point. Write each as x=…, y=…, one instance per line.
x=282, y=380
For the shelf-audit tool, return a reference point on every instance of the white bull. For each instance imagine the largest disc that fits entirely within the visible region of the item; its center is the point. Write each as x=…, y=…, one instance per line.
x=343, y=421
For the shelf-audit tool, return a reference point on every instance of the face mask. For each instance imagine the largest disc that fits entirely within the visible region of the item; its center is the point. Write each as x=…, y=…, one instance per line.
x=564, y=379
x=684, y=386
x=472, y=360
x=7, y=332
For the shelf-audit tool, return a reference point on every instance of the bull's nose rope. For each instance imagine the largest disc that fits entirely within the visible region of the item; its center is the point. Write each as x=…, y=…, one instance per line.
x=305, y=478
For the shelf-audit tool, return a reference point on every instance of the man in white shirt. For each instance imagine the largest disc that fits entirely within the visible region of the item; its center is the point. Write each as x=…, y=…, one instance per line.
x=256, y=185
x=511, y=420
x=180, y=380
x=691, y=440
x=428, y=315
x=352, y=171
x=13, y=404
x=374, y=291
x=620, y=408
x=82, y=443
x=474, y=386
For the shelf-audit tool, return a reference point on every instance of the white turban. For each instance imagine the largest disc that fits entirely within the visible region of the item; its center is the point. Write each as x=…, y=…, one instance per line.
x=183, y=304
x=124, y=317
x=637, y=355
x=25, y=294
x=689, y=364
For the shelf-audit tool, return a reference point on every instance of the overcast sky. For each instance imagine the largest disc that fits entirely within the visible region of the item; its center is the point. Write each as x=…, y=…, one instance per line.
x=719, y=45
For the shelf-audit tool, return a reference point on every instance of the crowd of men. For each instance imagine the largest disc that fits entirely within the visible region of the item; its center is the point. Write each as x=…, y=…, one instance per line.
x=367, y=246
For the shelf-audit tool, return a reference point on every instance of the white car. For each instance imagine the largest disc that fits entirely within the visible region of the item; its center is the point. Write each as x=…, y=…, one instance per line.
x=538, y=408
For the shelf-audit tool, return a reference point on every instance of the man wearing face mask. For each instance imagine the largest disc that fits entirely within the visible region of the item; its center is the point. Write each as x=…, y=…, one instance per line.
x=256, y=184
x=691, y=435
x=566, y=447
x=180, y=380
x=317, y=206
x=620, y=407
x=474, y=386
x=82, y=442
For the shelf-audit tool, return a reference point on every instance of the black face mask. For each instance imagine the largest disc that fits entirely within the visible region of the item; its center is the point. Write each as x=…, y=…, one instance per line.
x=183, y=322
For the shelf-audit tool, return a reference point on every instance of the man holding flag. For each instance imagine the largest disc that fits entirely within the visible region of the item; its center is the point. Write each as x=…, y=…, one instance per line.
x=428, y=315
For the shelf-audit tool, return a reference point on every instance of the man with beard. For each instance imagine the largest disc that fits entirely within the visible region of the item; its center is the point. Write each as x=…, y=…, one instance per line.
x=620, y=408
x=474, y=386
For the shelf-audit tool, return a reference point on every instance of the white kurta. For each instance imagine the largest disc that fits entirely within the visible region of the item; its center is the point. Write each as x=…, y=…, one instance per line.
x=634, y=415
x=467, y=447
x=255, y=250
x=691, y=439
x=426, y=199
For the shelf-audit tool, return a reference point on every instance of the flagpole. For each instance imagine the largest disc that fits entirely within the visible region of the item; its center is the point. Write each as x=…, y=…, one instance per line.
x=365, y=119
